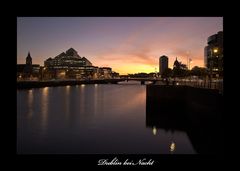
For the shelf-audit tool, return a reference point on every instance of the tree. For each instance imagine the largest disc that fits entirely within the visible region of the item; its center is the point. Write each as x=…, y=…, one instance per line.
x=180, y=70
x=199, y=71
x=167, y=73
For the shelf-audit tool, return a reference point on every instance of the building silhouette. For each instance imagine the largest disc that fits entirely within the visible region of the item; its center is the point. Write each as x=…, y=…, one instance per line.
x=179, y=65
x=28, y=66
x=179, y=69
x=163, y=64
x=213, y=54
x=66, y=65
x=28, y=70
x=176, y=64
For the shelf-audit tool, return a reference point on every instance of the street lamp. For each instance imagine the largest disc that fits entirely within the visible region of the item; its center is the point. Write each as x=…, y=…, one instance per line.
x=155, y=72
x=190, y=61
x=213, y=54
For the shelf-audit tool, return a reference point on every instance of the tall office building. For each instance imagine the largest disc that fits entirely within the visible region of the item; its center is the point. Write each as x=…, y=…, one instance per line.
x=213, y=54
x=163, y=64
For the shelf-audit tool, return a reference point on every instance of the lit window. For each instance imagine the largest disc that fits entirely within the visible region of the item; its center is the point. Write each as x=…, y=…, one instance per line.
x=215, y=50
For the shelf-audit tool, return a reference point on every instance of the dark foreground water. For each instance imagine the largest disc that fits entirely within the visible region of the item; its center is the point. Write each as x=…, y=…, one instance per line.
x=92, y=119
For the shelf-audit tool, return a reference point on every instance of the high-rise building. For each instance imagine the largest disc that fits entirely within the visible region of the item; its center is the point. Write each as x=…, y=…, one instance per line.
x=163, y=64
x=213, y=54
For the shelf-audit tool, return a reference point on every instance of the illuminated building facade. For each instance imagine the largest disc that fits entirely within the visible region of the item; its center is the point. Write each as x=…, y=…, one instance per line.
x=69, y=65
x=105, y=72
x=213, y=55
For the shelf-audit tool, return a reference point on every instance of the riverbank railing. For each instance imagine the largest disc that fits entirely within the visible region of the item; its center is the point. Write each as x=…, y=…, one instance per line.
x=214, y=84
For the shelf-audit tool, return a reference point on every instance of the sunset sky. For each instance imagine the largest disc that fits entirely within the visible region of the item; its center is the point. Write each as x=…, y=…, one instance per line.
x=126, y=44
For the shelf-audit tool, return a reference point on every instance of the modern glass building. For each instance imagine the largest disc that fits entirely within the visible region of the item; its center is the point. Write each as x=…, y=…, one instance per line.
x=213, y=54
x=69, y=65
x=69, y=60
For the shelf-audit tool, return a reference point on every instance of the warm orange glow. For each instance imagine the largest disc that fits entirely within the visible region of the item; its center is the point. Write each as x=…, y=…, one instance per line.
x=45, y=91
x=130, y=64
x=137, y=68
x=62, y=73
x=127, y=45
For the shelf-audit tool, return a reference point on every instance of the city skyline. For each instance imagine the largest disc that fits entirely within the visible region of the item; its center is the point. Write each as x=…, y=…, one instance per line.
x=126, y=44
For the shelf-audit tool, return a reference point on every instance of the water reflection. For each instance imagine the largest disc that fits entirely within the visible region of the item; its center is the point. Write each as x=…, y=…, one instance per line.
x=205, y=135
x=44, y=107
x=67, y=101
x=30, y=103
x=104, y=119
x=154, y=130
x=82, y=98
x=172, y=146
x=95, y=99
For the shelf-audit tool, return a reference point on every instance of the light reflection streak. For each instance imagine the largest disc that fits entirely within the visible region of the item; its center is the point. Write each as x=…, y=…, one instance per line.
x=172, y=147
x=67, y=113
x=30, y=103
x=154, y=130
x=82, y=93
x=95, y=98
x=44, y=107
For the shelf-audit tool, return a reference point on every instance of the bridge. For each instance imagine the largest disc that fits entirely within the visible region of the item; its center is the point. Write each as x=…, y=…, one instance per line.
x=215, y=84
x=143, y=80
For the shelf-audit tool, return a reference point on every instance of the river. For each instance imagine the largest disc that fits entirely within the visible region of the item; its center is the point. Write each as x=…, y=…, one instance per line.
x=92, y=119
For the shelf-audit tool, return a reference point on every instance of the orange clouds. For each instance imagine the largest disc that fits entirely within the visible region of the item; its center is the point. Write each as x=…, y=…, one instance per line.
x=133, y=56
x=127, y=44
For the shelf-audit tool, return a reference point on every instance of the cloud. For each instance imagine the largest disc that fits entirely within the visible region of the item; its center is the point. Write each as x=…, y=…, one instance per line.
x=143, y=47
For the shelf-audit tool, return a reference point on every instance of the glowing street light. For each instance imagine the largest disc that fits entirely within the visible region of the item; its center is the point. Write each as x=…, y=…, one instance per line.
x=190, y=61
x=154, y=130
x=172, y=147
x=215, y=50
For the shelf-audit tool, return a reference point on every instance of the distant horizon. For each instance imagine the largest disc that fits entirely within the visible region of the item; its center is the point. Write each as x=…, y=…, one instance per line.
x=126, y=44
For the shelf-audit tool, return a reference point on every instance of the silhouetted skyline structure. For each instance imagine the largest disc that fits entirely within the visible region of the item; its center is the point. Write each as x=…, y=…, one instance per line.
x=28, y=69
x=127, y=44
x=66, y=65
x=163, y=64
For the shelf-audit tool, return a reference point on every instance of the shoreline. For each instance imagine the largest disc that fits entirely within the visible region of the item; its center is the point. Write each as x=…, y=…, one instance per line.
x=55, y=83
